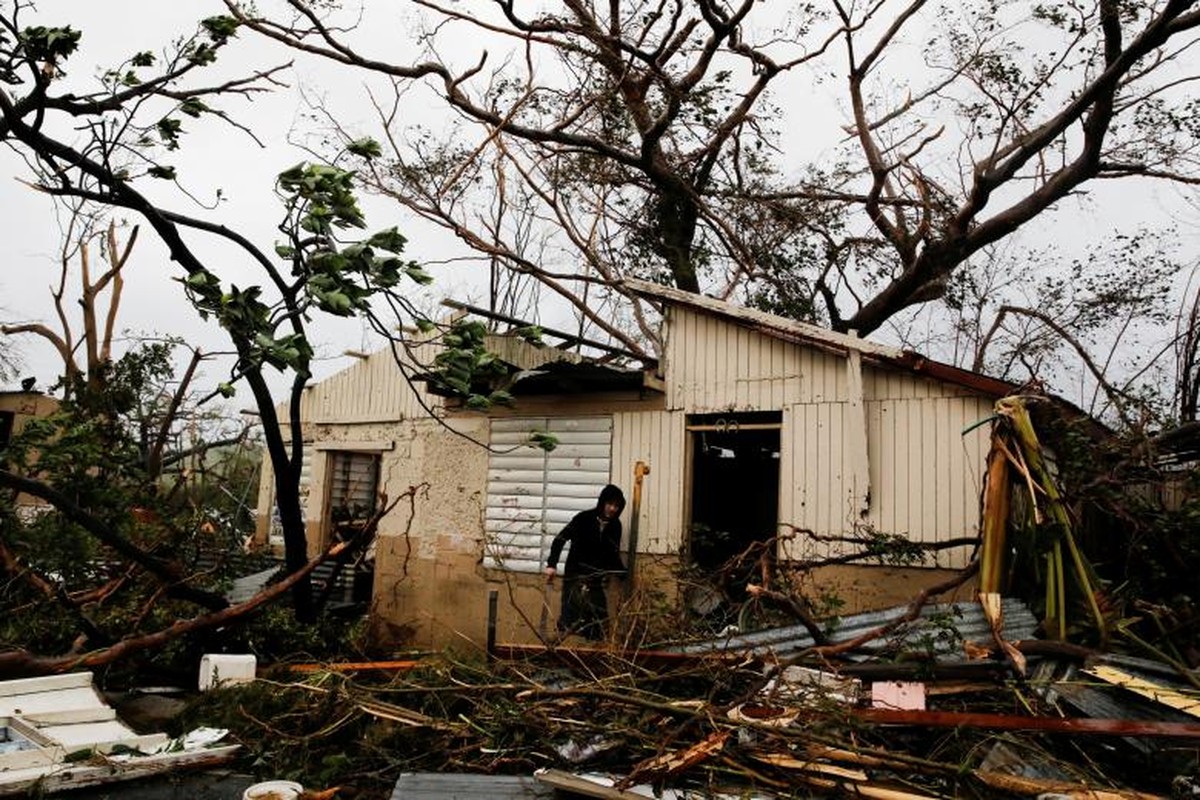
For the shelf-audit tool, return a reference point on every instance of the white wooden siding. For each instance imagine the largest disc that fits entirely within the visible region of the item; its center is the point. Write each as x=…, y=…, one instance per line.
x=924, y=476
x=532, y=494
x=713, y=365
x=373, y=389
x=656, y=438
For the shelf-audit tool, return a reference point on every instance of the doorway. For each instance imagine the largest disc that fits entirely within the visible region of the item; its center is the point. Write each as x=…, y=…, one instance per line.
x=734, y=484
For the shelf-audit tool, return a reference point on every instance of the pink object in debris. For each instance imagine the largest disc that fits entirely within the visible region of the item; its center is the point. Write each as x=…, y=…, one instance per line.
x=905, y=695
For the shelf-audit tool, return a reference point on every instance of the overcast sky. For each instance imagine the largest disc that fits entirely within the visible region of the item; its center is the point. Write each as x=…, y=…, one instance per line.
x=215, y=156
x=212, y=156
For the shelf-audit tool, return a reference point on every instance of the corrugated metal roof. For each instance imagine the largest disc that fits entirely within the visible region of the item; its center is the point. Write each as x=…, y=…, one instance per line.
x=940, y=630
x=458, y=786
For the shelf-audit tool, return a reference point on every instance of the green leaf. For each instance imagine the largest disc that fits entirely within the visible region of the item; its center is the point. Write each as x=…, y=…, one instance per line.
x=226, y=389
x=543, y=440
x=425, y=326
x=142, y=59
x=169, y=130
x=193, y=107
x=501, y=398
x=283, y=251
x=391, y=240
x=530, y=333
x=366, y=147
x=220, y=27
x=166, y=173
x=419, y=275
x=49, y=44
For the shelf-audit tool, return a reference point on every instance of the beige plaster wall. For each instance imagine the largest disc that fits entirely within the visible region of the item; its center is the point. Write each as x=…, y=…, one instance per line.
x=27, y=406
x=429, y=585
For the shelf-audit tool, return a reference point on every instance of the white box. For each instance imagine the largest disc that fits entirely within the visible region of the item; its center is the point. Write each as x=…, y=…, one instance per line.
x=906, y=695
x=221, y=669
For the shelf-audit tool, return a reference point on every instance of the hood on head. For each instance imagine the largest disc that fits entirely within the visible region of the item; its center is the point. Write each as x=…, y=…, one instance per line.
x=612, y=494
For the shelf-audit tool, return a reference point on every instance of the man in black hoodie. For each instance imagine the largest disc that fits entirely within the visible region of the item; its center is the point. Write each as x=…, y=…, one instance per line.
x=595, y=537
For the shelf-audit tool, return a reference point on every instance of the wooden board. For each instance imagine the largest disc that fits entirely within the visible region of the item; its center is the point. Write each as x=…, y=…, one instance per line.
x=1188, y=703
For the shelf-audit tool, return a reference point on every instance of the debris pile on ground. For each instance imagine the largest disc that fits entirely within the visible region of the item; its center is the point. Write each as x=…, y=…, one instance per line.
x=920, y=720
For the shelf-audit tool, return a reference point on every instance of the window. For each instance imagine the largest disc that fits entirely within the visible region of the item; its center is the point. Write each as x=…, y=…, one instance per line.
x=7, y=419
x=353, y=487
x=532, y=494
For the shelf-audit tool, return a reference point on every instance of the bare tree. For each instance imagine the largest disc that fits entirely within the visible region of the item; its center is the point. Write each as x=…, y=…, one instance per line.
x=646, y=135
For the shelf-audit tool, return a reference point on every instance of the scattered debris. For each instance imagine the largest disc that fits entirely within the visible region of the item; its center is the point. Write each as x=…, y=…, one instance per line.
x=940, y=630
x=57, y=733
x=221, y=669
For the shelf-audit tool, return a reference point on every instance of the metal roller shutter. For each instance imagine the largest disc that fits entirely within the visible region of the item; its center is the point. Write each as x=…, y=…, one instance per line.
x=532, y=494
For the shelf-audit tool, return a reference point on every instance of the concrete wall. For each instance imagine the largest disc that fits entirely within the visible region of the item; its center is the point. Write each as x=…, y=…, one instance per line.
x=27, y=406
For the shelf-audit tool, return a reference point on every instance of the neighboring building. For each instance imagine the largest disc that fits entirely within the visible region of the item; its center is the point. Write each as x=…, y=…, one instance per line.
x=752, y=424
x=17, y=408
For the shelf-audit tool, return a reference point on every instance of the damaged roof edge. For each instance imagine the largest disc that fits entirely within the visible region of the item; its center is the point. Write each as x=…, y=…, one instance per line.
x=803, y=332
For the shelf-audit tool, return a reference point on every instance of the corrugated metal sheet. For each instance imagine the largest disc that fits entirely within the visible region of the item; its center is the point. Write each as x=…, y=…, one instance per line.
x=940, y=630
x=713, y=365
x=532, y=494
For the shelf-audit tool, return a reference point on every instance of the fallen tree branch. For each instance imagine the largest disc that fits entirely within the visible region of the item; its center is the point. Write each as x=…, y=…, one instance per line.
x=20, y=663
x=914, y=611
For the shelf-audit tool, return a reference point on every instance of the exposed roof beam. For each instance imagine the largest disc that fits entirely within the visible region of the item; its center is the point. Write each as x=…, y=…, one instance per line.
x=567, y=338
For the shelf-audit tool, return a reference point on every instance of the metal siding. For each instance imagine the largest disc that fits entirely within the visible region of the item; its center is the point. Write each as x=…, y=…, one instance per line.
x=926, y=476
x=372, y=389
x=718, y=366
x=532, y=494
x=658, y=439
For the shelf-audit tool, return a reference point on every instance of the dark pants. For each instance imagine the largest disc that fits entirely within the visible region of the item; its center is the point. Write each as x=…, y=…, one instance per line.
x=584, y=607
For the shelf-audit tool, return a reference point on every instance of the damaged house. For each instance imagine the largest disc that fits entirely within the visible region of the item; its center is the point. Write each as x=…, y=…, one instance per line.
x=751, y=426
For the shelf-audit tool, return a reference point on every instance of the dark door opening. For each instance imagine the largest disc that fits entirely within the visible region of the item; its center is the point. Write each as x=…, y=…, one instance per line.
x=735, y=485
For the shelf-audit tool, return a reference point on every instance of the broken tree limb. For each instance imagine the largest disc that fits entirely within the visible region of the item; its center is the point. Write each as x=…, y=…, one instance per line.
x=1020, y=784
x=914, y=611
x=1013, y=409
x=667, y=764
x=18, y=662
x=1010, y=722
x=996, y=507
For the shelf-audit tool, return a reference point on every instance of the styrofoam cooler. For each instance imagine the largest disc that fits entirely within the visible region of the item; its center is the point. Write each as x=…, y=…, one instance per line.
x=221, y=669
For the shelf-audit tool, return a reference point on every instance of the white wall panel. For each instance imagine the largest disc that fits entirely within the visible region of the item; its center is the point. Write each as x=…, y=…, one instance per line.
x=656, y=438
x=532, y=494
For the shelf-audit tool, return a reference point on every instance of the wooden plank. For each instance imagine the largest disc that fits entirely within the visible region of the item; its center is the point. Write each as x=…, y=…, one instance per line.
x=352, y=666
x=587, y=786
x=1008, y=722
x=62, y=777
x=437, y=786
x=1178, y=700
x=46, y=683
x=69, y=716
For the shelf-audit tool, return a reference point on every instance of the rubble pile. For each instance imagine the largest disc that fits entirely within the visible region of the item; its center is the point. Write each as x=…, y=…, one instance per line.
x=907, y=721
